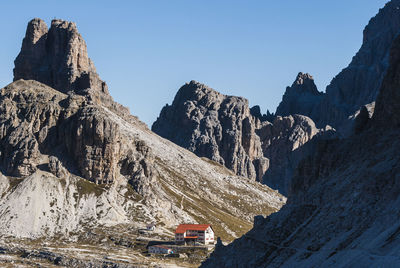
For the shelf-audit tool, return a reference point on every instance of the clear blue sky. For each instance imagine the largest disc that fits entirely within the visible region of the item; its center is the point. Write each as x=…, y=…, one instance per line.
x=146, y=50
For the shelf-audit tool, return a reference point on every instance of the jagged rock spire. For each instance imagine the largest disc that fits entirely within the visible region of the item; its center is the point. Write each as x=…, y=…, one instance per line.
x=57, y=57
x=300, y=98
x=305, y=83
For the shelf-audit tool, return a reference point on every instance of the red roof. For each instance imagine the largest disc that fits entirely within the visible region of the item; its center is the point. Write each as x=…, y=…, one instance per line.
x=182, y=228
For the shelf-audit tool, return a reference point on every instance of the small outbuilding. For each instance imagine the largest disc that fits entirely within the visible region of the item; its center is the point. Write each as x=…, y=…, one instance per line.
x=160, y=249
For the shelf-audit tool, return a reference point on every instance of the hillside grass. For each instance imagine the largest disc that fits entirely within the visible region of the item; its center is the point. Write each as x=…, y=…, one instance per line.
x=204, y=211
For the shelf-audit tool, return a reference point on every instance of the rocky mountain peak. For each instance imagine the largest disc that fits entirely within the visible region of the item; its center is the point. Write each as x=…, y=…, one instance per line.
x=57, y=57
x=305, y=82
x=197, y=92
x=301, y=97
x=359, y=83
x=356, y=85
x=63, y=24
x=215, y=126
x=83, y=164
x=35, y=30
x=340, y=193
x=386, y=17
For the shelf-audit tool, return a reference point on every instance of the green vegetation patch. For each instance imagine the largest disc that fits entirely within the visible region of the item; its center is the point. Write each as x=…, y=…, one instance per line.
x=14, y=182
x=86, y=187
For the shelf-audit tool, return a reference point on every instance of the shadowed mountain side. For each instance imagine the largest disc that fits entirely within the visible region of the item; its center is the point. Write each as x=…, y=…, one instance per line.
x=300, y=98
x=356, y=85
x=342, y=210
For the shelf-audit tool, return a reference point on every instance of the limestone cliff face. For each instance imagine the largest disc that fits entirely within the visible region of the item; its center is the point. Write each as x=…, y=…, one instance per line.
x=300, y=98
x=337, y=216
x=60, y=147
x=25, y=119
x=215, y=126
x=56, y=57
x=37, y=120
x=359, y=83
x=224, y=129
x=195, y=121
x=285, y=142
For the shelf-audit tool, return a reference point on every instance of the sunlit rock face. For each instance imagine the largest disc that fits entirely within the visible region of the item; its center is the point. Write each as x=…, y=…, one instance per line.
x=224, y=129
x=215, y=126
x=57, y=57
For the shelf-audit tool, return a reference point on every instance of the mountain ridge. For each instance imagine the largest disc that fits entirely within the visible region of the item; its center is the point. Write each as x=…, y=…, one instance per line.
x=79, y=161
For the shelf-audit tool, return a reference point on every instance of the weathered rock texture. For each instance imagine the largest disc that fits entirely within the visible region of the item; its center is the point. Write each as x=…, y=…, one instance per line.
x=224, y=129
x=283, y=143
x=79, y=160
x=57, y=57
x=37, y=119
x=256, y=112
x=215, y=126
x=25, y=118
x=300, y=98
x=55, y=144
x=359, y=83
x=342, y=210
x=350, y=95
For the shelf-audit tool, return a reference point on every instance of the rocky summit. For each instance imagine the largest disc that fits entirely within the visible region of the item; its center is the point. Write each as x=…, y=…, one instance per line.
x=300, y=98
x=215, y=126
x=356, y=85
x=77, y=169
x=57, y=57
x=360, y=82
